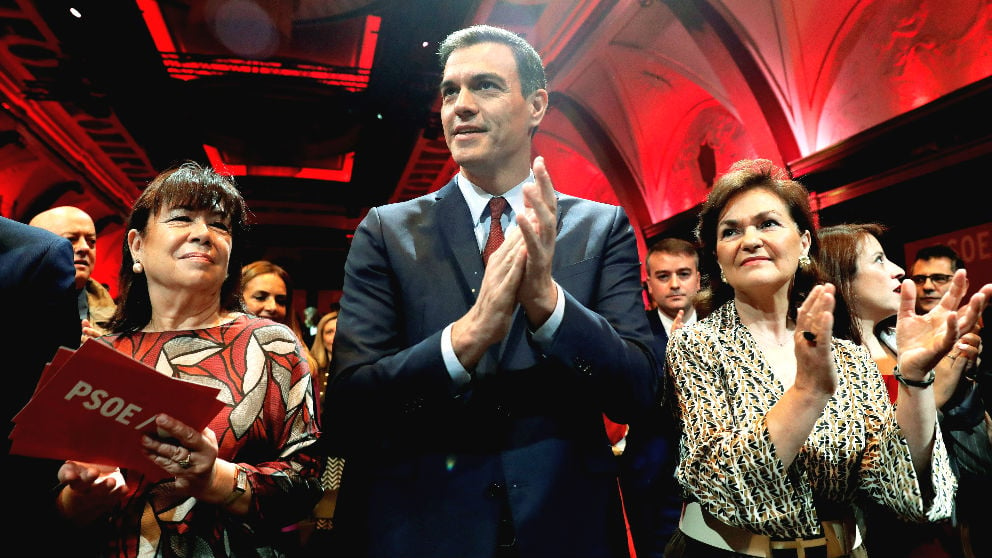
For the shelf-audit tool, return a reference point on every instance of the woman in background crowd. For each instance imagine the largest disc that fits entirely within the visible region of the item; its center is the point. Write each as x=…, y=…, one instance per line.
x=868, y=296
x=318, y=534
x=232, y=486
x=321, y=349
x=268, y=293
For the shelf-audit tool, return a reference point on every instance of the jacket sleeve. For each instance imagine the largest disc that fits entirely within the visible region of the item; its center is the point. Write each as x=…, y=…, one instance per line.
x=604, y=333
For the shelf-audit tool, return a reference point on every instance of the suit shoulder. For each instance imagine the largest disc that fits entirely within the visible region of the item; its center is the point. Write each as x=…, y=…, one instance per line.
x=34, y=257
x=567, y=201
x=419, y=203
x=14, y=234
x=406, y=205
x=581, y=210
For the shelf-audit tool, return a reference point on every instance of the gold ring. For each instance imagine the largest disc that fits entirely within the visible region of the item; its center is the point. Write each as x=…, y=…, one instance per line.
x=185, y=463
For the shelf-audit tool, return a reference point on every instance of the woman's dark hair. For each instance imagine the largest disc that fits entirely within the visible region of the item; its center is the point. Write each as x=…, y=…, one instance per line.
x=840, y=248
x=744, y=176
x=191, y=186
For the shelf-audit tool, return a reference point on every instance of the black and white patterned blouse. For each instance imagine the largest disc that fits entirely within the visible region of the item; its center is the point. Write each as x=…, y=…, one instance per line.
x=725, y=388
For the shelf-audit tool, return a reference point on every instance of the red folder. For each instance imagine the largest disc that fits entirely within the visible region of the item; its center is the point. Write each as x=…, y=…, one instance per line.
x=95, y=403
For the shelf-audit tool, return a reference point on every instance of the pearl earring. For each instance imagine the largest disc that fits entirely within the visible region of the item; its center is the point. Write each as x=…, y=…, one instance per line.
x=804, y=261
x=137, y=268
x=723, y=276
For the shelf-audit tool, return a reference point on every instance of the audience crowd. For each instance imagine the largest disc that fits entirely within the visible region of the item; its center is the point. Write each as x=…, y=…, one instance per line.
x=504, y=378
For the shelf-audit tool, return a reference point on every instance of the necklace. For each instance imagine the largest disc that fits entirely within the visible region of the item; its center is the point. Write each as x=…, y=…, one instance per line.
x=768, y=339
x=215, y=321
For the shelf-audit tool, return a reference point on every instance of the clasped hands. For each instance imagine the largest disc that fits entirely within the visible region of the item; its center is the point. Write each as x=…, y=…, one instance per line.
x=518, y=272
x=185, y=454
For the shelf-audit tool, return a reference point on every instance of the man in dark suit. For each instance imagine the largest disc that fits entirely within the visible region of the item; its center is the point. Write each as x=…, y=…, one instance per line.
x=651, y=495
x=37, y=284
x=472, y=394
x=962, y=408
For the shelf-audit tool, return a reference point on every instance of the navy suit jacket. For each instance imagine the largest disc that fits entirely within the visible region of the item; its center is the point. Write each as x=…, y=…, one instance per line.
x=658, y=330
x=647, y=468
x=428, y=464
x=37, y=285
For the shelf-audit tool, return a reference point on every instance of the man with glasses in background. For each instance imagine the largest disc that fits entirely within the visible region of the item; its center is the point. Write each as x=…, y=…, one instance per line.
x=932, y=272
x=964, y=418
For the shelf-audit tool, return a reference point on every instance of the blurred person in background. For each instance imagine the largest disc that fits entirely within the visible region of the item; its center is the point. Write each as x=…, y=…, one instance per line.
x=267, y=290
x=311, y=315
x=323, y=342
x=651, y=495
x=96, y=306
x=317, y=535
x=868, y=292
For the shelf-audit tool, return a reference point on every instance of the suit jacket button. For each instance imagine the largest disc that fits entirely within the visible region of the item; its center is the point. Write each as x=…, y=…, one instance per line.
x=411, y=406
x=496, y=490
x=582, y=365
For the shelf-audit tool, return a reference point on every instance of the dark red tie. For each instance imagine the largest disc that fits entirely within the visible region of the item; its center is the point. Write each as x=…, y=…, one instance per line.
x=496, y=207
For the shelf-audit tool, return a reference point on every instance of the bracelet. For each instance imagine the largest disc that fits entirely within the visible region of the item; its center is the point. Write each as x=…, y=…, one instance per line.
x=925, y=382
x=240, y=486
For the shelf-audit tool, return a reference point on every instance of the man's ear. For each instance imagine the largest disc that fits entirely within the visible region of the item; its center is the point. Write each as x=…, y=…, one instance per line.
x=538, y=102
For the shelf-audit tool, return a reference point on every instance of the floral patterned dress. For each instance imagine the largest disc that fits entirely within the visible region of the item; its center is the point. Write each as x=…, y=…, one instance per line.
x=267, y=424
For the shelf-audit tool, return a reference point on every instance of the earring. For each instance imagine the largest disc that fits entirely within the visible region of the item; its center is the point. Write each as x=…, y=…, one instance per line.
x=804, y=261
x=723, y=276
x=137, y=268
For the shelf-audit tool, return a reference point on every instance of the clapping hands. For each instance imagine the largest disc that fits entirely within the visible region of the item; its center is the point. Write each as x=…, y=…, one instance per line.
x=925, y=339
x=538, y=224
x=815, y=370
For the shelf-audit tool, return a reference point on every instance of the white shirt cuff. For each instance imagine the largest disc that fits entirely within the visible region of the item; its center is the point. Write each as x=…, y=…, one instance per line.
x=547, y=331
x=455, y=369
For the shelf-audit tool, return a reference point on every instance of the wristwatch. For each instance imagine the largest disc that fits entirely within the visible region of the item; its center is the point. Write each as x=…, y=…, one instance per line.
x=240, y=486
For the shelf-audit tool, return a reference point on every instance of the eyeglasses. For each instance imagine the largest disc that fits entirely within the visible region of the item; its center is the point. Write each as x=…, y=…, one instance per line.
x=937, y=278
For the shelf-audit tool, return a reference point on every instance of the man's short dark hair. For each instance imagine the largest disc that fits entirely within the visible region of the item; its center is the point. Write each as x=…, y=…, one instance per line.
x=530, y=69
x=673, y=245
x=940, y=251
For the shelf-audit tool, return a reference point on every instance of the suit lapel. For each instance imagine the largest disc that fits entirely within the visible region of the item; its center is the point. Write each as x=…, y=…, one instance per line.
x=455, y=224
x=456, y=230
x=657, y=328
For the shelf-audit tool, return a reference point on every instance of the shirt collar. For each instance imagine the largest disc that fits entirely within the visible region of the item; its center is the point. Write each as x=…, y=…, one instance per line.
x=478, y=199
x=667, y=322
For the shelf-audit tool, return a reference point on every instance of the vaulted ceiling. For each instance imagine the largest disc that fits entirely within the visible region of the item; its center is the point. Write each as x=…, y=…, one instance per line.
x=325, y=108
